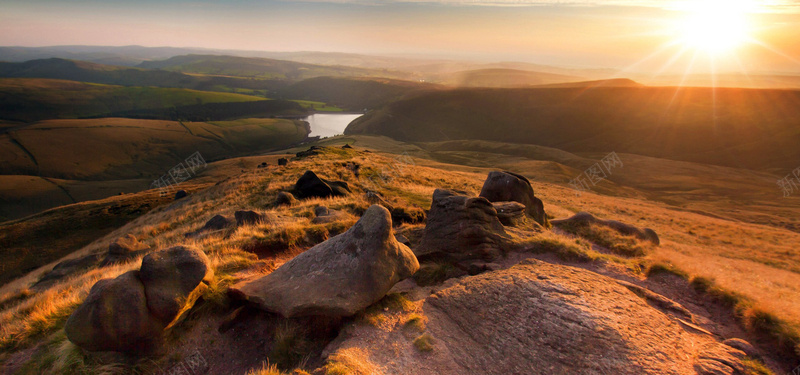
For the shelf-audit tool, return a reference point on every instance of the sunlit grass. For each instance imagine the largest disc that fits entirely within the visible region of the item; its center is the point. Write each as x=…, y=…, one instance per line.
x=737, y=257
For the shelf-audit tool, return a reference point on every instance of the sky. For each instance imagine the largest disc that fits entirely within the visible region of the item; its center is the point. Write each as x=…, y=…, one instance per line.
x=638, y=35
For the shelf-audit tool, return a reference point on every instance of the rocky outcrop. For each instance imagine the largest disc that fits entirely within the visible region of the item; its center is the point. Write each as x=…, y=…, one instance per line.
x=123, y=249
x=312, y=151
x=325, y=215
x=410, y=215
x=248, y=218
x=338, y=277
x=585, y=218
x=285, y=198
x=744, y=346
x=129, y=313
x=310, y=185
x=538, y=318
x=180, y=194
x=373, y=197
x=512, y=187
x=510, y=213
x=717, y=359
x=461, y=228
x=174, y=278
x=216, y=223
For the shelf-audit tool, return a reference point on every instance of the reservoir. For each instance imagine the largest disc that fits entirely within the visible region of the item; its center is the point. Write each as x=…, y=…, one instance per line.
x=329, y=124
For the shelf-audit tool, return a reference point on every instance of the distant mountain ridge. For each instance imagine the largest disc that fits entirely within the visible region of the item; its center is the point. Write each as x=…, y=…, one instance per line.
x=253, y=67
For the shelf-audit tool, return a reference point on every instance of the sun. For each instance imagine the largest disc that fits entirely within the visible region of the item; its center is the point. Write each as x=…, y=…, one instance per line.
x=715, y=26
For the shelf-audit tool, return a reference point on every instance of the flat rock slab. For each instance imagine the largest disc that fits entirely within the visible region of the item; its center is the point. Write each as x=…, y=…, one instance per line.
x=538, y=318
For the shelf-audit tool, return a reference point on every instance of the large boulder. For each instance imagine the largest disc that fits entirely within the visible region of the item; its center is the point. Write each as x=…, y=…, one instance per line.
x=512, y=187
x=462, y=228
x=130, y=313
x=115, y=317
x=310, y=185
x=338, y=277
x=585, y=218
x=173, y=279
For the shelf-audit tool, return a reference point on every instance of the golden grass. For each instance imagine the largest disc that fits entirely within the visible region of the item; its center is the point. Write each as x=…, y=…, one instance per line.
x=351, y=361
x=758, y=262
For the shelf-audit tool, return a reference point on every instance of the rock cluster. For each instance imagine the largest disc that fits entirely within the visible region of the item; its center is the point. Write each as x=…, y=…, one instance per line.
x=130, y=312
x=512, y=187
x=326, y=215
x=310, y=185
x=461, y=228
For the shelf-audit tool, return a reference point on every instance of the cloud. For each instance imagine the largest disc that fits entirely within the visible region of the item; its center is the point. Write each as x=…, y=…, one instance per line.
x=767, y=6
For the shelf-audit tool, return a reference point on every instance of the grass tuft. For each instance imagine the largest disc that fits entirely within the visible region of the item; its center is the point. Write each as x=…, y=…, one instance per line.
x=663, y=268
x=609, y=238
x=424, y=342
x=435, y=273
x=374, y=314
x=755, y=367
x=290, y=346
x=415, y=322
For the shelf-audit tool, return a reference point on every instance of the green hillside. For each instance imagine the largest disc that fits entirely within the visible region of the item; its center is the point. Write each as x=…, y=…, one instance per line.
x=741, y=128
x=127, y=76
x=31, y=99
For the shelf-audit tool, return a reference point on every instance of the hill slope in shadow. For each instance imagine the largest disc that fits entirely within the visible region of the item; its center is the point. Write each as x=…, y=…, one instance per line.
x=740, y=128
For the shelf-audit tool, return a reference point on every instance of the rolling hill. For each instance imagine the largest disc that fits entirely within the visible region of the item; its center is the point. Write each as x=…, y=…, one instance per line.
x=56, y=162
x=24, y=99
x=353, y=94
x=82, y=71
x=741, y=128
x=501, y=78
x=261, y=68
x=119, y=148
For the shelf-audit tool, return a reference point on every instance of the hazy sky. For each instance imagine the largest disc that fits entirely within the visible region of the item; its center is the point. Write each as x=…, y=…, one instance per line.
x=581, y=33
